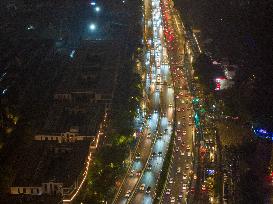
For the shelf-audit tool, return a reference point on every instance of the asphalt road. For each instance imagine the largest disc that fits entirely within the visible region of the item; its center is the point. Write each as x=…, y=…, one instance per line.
x=159, y=123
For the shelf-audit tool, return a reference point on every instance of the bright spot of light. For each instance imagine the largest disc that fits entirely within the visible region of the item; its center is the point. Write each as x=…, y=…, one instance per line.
x=30, y=27
x=93, y=3
x=4, y=91
x=97, y=9
x=92, y=26
x=72, y=54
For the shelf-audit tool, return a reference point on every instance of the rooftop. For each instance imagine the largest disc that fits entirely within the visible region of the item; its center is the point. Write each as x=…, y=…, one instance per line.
x=62, y=118
x=94, y=68
x=51, y=161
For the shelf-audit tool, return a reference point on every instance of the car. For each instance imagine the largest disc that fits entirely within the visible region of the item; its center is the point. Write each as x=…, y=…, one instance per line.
x=172, y=199
x=168, y=191
x=171, y=180
x=187, y=167
x=149, y=167
x=182, y=153
x=153, y=154
x=183, y=117
x=138, y=173
x=149, y=135
x=203, y=187
x=184, y=187
x=179, y=138
x=180, y=196
x=190, y=124
x=194, y=177
x=178, y=130
x=142, y=187
x=169, y=123
x=192, y=190
x=190, y=117
x=189, y=154
x=128, y=193
x=148, y=190
x=188, y=147
x=149, y=116
x=132, y=173
x=158, y=78
x=184, y=132
x=170, y=105
x=138, y=155
x=160, y=136
x=184, y=176
x=178, y=170
x=177, y=149
x=159, y=154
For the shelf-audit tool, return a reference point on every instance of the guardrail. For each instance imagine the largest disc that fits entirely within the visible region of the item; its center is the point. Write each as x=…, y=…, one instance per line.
x=143, y=170
x=126, y=175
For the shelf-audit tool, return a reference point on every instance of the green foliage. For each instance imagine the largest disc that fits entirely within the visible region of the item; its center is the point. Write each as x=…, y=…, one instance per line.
x=108, y=164
x=106, y=167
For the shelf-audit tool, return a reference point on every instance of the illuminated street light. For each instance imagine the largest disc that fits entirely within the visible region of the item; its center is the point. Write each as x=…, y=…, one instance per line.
x=97, y=9
x=92, y=27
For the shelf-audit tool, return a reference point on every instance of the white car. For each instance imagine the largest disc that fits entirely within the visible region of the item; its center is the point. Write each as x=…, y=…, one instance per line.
x=184, y=176
x=168, y=191
x=128, y=193
x=184, y=187
x=178, y=170
x=172, y=199
x=182, y=153
x=142, y=187
x=171, y=180
x=189, y=154
x=179, y=138
x=184, y=132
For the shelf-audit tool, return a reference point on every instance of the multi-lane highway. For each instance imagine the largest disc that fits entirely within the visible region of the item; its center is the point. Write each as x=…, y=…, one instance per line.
x=140, y=183
x=168, y=92
x=181, y=174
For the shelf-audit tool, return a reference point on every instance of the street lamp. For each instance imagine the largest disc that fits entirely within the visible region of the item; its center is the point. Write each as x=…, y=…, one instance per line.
x=92, y=27
x=97, y=9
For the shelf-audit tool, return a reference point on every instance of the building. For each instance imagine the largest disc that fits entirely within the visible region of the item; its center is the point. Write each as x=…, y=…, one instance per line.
x=50, y=168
